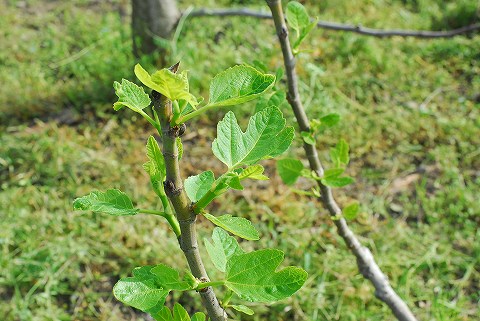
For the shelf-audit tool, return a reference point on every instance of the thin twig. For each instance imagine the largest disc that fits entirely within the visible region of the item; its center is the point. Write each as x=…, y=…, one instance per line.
x=427, y=34
x=365, y=261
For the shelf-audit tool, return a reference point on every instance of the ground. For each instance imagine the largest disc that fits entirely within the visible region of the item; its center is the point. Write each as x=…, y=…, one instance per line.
x=410, y=111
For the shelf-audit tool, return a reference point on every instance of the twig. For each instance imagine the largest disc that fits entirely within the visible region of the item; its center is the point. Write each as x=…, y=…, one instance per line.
x=426, y=34
x=365, y=261
x=178, y=197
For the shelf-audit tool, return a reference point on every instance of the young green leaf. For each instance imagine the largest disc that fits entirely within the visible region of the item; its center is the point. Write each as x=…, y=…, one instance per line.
x=155, y=167
x=252, y=276
x=199, y=316
x=253, y=172
x=197, y=186
x=303, y=34
x=242, y=308
x=140, y=292
x=130, y=95
x=238, y=226
x=238, y=85
x=169, y=278
x=289, y=170
x=171, y=85
x=350, y=212
x=179, y=313
x=112, y=202
x=335, y=181
x=333, y=172
x=308, y=138
x=297, y=16
x=330, y=120
x=339, y=154
x=223, y=248
x=266, y=136
x=163, y=315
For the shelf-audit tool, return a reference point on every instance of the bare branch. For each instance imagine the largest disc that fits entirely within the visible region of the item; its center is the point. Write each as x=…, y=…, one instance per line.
x=365, y=261
x=426, y=34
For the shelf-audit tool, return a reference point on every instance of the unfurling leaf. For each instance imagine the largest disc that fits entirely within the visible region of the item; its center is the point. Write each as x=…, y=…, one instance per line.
x=155, y=167
x=339, y=154
x=266, y=136
x=198, y=185
x=171, y=85
x=297, y=16
x=351, y=211
x=130, y=95
x=289, y=170
x=223, y=248
x=238, y=85
x=253, y=276
x=112, y=202
x=253, y=172
x=242, y=308
x=238, y=226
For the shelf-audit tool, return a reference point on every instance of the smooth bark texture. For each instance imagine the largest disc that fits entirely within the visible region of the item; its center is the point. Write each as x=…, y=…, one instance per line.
x=178, y=197
x=428, y=34
x=150, y=19
x=365, y=261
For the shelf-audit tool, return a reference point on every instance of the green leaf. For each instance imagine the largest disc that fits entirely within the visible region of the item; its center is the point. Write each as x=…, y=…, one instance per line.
x=333, y=172
x=303, y=34
x=253, y=172
x=238, y=226
x=223, y=248
x=155, y=167
x=198, y=185
x=163, y=315
x=266, y=136
x=308, y=138
x=243, y=309
x=199, y=316
x=297, y=16
x=289, y=170
x=238, y=85
x=350, y=212
x=171, y=85
x=112, y=202
x=130, y=95
x=252, y=276
x=335, y=181
x=179, y=313
x=141, y=292
x=339, y=154
x=277, y=99
x=169, y=278
x=330, y=120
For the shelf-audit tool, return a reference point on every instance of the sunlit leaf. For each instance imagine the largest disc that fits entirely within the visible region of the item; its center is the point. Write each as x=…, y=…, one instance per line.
x=224, y=247
x=198, y=185
x=238, y=226
x=130, y=95
x=290, y=170
x=112, y=202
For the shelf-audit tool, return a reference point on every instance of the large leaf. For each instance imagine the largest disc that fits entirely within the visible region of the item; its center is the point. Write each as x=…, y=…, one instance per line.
x=252, y=276
x=141, y=292
x=112, y=202
x=130, y=95
x=266, y=136
x=223, y=248
x=155, y=167
x=290, y=170
x=236, y=225
x=198, y=185
x=237, y=85
x=171, y=85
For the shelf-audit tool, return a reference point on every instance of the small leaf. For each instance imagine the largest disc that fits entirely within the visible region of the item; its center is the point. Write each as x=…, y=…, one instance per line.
x=130, y=95
x=224, y=247
x=253, y=172
x=238, y=85
x=252, y=276
x=171, y=85
x=330, y=120
x=140, y=292
x=339, y=154
x=199, y=316
x=350, y=212
x=198, y=185
x=289, y=170
x=169, y=278
x=179, y=313
x=297, y=16
x=303, y=34
x=238, y=226
x=243, y=309
x=112, y=202
x=308, y=138
x=333, y=172
x=337, y=181
x=266, y=136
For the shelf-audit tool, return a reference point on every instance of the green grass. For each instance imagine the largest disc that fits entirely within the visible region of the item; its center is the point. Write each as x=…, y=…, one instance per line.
x=410, y=111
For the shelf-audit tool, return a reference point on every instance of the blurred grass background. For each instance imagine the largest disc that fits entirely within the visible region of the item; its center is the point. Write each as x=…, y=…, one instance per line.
x=410, y=111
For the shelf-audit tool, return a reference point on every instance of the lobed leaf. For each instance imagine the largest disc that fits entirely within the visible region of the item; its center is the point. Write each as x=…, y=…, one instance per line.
x=237, y=85
x=266, y=136
x=290, y=170
x=238, y=226
x=223, y=248
x=112, y=202
x=155, y=167
x=253, y=276
x=198, y=185
x=130, y=95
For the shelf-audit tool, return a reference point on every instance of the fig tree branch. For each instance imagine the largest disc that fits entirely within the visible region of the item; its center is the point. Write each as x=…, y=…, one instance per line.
x=365, y=260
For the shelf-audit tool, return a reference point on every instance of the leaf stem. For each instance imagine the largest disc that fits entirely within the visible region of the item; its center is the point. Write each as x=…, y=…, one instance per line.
x=172, y=221
x=204, y=285
x=194, y=114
